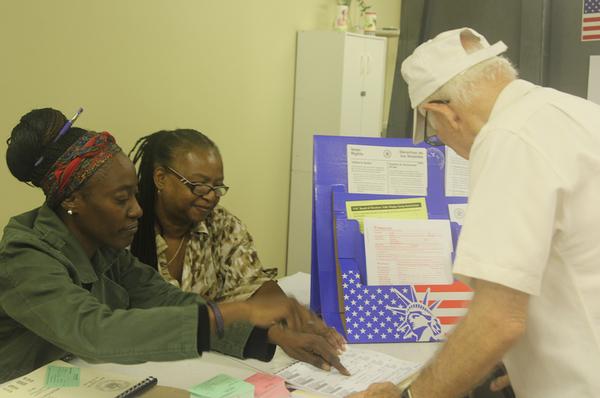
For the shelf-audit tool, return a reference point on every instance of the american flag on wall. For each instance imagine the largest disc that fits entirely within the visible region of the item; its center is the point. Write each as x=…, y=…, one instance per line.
x=590, y=21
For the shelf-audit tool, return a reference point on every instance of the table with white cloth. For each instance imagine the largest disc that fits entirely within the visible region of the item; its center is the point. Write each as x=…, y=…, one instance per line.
x=183, y=374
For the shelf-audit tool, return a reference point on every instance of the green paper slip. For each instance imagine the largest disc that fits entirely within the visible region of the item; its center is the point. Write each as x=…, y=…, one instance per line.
x=223, y=386
x=60, y=376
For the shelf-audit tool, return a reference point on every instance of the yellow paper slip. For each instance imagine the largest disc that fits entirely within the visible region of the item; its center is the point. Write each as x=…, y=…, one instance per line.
x=397, y=209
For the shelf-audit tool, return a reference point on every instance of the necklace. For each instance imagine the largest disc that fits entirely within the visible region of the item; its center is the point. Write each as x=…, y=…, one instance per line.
x=177, y=251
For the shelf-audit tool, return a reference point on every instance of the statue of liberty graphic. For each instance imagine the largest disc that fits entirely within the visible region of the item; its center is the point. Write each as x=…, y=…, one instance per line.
x=417, y=320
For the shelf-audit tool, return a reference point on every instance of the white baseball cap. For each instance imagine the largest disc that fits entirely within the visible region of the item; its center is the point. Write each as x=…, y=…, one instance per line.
x=438, y=60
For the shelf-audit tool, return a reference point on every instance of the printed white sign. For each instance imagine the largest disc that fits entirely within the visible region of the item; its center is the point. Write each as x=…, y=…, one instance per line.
x=387, y=170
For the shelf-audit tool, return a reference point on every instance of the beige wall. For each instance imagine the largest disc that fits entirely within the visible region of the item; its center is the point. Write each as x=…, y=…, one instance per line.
x=225, y=68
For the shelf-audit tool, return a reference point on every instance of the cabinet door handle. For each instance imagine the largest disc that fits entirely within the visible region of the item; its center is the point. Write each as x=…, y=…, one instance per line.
x=362, y=65
x=368, y=64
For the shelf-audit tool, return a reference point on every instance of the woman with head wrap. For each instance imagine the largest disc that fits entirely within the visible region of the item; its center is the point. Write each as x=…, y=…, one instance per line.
x=67, y=284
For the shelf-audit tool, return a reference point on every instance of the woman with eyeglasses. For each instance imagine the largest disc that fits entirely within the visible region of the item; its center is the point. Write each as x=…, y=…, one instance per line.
x=67, y=284
x=201, y=247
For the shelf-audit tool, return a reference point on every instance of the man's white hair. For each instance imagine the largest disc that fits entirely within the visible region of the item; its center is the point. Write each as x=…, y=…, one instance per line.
x=464, y=87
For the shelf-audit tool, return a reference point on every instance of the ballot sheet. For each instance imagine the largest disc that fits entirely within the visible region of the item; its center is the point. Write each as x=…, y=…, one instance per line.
x=365, y=366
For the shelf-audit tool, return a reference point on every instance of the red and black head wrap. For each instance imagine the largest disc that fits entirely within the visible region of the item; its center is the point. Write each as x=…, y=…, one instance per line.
x=77, y=163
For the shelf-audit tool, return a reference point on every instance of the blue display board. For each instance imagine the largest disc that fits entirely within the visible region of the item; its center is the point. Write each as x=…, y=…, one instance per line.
x=339, y=291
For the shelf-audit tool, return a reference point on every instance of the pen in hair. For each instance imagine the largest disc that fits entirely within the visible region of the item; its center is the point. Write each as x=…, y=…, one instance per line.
x=62, y=131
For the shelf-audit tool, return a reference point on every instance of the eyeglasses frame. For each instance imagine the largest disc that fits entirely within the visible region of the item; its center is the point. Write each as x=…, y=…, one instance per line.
x=192, y=185
x=430, y=139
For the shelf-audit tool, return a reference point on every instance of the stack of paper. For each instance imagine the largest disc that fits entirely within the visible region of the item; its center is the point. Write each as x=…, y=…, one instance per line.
x=268, y=386
x=222, y=386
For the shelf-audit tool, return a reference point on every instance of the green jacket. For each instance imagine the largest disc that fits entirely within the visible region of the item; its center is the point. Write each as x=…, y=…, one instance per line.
x=54, y=301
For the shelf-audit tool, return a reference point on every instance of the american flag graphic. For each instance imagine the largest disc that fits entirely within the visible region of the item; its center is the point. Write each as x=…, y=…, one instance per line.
x=389, y=314
x=590, y=21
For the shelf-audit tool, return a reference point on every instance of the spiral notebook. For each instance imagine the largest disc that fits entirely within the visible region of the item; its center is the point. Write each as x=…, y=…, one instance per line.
x=60, y=379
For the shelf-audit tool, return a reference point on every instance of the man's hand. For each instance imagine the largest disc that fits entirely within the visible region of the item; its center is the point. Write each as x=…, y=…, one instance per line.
x=379, y=390
x=308, y=347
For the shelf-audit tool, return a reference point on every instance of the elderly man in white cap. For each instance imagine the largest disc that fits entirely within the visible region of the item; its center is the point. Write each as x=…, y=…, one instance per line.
x=530, y=241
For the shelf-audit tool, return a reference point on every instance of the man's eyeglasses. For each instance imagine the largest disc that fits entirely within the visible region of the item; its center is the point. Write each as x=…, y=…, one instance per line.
x=200, y=189
x=433, y=140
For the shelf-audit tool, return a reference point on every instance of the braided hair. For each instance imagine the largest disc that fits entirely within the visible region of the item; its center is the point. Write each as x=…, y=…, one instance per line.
x=158, y=149
x=31, y=148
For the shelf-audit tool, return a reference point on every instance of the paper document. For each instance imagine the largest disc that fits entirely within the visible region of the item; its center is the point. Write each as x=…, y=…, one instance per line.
x=408, y=252
x=297, y=286
x=387, y=170
x=366, y=367
x=402, y=209
x=222, y=386
x=62, y=376
x=457, y=212
x=457, y=174
x=268, y=386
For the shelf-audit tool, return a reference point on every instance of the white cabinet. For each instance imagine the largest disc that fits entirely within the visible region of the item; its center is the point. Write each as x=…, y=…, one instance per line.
x=339, y=91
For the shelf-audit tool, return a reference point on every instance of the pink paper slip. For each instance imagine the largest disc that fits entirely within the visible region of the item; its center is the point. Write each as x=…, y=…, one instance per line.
x=268, y=386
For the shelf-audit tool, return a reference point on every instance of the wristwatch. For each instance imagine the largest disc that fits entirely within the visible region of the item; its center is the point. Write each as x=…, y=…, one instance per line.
x=406, y=393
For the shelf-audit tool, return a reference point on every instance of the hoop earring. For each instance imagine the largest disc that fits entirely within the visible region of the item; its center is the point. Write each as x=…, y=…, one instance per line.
x=70, y=212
